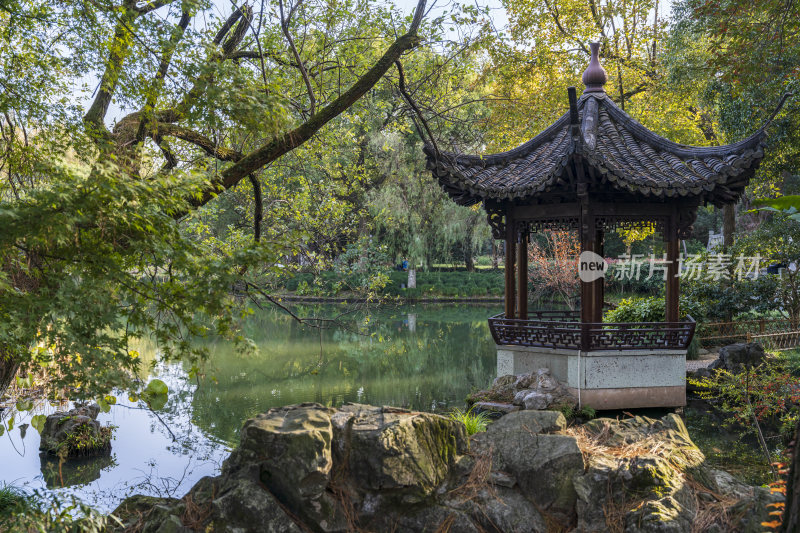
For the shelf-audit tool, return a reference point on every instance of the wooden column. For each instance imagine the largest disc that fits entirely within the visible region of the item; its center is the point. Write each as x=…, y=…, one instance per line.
x=599, y=285
x=588, y=299
x=522, y=277
x=673, y=281
x=511, y=246
x=587, y=237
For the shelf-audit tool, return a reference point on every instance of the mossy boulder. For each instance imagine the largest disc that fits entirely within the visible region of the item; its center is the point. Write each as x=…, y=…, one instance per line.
x=397, y=452
x=76, y=433
x=365, y=468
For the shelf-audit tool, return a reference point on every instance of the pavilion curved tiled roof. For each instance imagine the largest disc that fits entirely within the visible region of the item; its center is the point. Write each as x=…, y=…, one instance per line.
x=623, y=155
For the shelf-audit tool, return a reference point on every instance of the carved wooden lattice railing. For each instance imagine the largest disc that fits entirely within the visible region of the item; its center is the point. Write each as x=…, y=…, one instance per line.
x=562, y=329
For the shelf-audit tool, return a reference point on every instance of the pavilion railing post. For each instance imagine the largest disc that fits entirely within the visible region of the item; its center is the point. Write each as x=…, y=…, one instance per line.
x=522, y=277
x=509, y=266
x=673, y=281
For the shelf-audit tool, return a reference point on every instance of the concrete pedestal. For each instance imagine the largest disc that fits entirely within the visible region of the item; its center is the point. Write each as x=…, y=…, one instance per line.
x=607, y=379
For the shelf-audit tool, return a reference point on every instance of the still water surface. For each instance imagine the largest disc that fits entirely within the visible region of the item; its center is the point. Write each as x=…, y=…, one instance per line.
x=424, y=357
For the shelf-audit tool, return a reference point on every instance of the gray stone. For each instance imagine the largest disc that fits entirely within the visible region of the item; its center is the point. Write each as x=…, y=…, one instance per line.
x=494, y=407
x=537, y=400
x=530, y=421
x=501, y=510
x=665, y=515
x=737, y=357
x=501, y=479
x=519, y=396
x=241, y=502
x=405, y=452
x=542, y=464
x=366, y=468
x=544, y=381
x=292, y=448
x=60, y=425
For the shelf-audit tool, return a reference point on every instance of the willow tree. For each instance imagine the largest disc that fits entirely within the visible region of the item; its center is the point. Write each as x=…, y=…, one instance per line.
x=187, y=106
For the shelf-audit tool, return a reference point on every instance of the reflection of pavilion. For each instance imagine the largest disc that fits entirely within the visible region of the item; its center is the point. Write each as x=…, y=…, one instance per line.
x=592, y=171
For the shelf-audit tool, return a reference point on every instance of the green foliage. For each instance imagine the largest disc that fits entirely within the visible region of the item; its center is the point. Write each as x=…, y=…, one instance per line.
x=572, y=413
x=777, y=241
x=723, y=300
x=481, y=283
x=650, y=309
x=155, y=394
x=35, y=513
x=770, y=393
x=114, y=264
x=473, y=422
x=11, y=498
x=83, y=440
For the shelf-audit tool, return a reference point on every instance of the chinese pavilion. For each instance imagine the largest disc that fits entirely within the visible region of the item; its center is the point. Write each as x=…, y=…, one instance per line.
x=594, y=170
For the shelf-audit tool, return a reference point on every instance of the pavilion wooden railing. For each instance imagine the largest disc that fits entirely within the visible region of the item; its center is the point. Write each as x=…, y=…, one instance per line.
x=562, y=329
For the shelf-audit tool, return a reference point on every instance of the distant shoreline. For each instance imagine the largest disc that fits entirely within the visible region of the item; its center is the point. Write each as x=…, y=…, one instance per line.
x=433, y=299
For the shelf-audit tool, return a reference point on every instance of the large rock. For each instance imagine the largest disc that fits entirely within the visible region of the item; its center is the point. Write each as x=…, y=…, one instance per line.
x=363, y=468
x=638, y=479
x=82, y=420
x=292, y=446
x=396, y=451
x=542, y=464
x=737, y=357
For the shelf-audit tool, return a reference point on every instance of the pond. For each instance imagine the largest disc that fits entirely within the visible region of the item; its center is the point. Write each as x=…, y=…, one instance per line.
x=423, y=357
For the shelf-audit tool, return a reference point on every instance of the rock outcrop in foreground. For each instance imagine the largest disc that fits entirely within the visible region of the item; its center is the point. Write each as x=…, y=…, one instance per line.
x=363, y=468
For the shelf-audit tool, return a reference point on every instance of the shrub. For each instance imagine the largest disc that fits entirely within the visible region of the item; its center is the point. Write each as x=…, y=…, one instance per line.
x=651, y=309
x=769, y=394
x=725, y=299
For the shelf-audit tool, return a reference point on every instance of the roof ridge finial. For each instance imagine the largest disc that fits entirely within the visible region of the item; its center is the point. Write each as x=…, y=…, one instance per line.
x=594, y=77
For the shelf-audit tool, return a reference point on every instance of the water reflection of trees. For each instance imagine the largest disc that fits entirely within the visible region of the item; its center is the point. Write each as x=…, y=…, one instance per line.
x=449, y=353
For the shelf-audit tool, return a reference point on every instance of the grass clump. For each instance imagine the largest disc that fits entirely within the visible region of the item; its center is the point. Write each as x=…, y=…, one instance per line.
x=83, y=440
x=473, y=422
x=12, y=498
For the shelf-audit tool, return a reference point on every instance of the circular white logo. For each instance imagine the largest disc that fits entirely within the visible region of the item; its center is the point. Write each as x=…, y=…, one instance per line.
x=591, y=266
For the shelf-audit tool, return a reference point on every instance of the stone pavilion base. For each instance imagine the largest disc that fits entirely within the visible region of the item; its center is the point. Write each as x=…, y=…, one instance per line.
x=607, y=379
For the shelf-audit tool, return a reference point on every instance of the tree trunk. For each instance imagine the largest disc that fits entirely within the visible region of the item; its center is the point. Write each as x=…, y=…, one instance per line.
x=728, y=225
x=8, y=369
x=791, y=515
x=469, y=261
x=495, y=256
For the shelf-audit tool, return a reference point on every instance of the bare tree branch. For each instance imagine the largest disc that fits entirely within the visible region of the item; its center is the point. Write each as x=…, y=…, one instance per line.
x=300, y=66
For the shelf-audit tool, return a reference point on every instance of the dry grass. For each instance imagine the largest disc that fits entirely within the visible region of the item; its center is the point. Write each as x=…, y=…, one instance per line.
x=709, y=513
x=597, y=444
x=477, y=479
x=616, y=509
x=446, y=524
x=195, y=515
